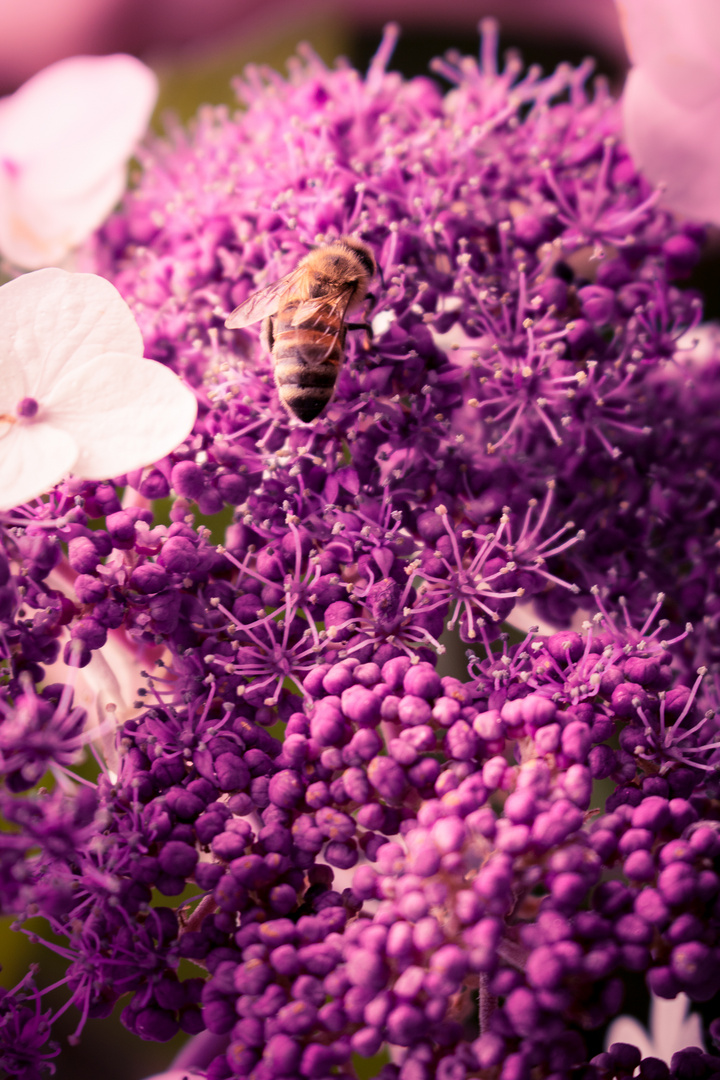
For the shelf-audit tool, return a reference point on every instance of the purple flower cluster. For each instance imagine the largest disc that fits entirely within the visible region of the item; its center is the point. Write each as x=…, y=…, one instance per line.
x=381, y=855
x=526, y=327
x=492, y=881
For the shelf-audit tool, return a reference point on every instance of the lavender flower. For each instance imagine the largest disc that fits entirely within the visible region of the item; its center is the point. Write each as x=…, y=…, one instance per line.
x=382, y=855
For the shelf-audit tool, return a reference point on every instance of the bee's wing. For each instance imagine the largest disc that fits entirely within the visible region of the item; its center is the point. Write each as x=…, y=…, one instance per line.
x=316, y=310
x=261, y=304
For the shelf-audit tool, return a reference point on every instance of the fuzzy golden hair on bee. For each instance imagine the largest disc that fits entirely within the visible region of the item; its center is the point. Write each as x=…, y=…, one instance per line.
x=304, y=327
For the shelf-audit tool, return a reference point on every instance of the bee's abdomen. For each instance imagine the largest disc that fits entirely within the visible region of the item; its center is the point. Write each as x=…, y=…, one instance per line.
x=306, y=369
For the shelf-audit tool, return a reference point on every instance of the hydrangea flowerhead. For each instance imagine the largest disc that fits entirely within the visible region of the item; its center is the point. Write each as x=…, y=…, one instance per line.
x=524, y=326
x=379, y=853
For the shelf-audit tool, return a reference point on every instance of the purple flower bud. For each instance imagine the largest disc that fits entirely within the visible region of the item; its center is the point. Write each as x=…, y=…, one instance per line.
x=178, y=555
x=682, y=813
x=336, y=615
x=627, y=698
x=357, y=786
x=339, y=678
x=421, y=680
x=423, y=861
x=677, y=883
x=576, y=740
x=251, y=871
x=653, y=813
x=461, y=741
x=686, y=927
x=83, y=556
x=427, y=934
x=577, y=784
x=297, y=1018
x=154, y=485
x=188, y=479
x=602, y=762
x=388, y=778
x=565, y=644
x=598, y=304
x=682, y=254
x=402, y=752
x=640, y=866
x=625, y=1057
x=334, y=824
x=281, y=1055
x=177, y=859
x=547, y=739
x=652, y=907
x=493, y=772
x=148, y=578
x=451, y=961
x=568, y=891
x=522, y=1010
x=285, y=788
x=121, y=527
x=89, y=589
x=662, y=982
x=448, y=834
x=654, y=1069
x=367, y=969
x=360, y=705
x=405, y=1024
x=544, y=969
x=521, y=806
x=691, y=962
x=489, y=1050
x=285, y=960
x=90, y=632
x=367, y=1041
x=394, y=671
x=413, y=710
x=328, y=725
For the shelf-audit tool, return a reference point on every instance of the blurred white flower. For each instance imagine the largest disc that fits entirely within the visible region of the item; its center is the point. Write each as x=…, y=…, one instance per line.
x=671, y=1029
x=671, y=101
x=65, y=140
x=76, y=393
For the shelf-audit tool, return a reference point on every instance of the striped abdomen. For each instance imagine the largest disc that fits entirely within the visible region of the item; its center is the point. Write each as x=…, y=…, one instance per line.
x=307, y=358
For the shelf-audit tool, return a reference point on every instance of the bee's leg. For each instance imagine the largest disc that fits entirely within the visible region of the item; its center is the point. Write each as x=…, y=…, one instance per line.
x=267, y=335
x=362, y=326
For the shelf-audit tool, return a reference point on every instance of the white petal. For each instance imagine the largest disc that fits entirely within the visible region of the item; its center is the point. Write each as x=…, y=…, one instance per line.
x=627, y=1030
x=671, y=145
x=39, y=229
x=52, y=321
x=65, y=138
x=676, y=43
x=122, y=412
x=178, y=1074
x=670, y=1029
x=33, y=458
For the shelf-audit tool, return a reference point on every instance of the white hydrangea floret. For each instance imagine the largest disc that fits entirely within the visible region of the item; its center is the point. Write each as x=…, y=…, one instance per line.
x=671, y=1029
x=76, y=393
x=65, y=140
x=671, y=100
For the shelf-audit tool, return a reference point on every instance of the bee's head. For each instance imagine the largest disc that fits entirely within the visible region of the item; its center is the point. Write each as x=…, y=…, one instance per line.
x=363, y=253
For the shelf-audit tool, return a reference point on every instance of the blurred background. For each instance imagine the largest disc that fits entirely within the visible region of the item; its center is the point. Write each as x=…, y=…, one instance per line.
x=196, y=46
x=200, y=43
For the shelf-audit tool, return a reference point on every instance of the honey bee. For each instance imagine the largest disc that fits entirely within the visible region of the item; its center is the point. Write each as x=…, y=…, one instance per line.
x=305, y=327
